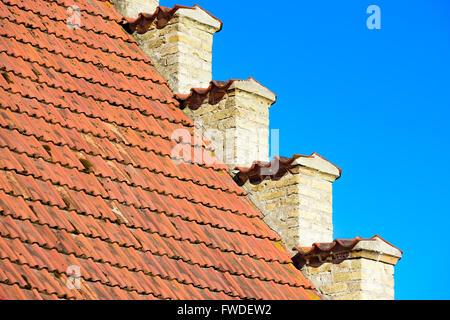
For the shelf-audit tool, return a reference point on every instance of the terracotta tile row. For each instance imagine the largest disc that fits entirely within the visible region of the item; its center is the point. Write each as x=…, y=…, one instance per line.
x=148, y=180
x=112, y=168
x=200, y=255
x=102, y=110
x=318, y=253
x=112, y=190
x=25, y=277
x=110, y=130
x=338, y=245
x=214, y=93
x=14, y=292
x=145, y=260
x=113, y=232
x=54, y=11
x=165, y=149
x=13, y=117
x=15, y=82
x=33, y=284
x=56, y=152
x=141, y=281
x=64, y=198
x=29, y=257
x=102, y=8
x=30, y=21
x=75, y=68
x=53, y=78
x=226, y=240
x=95, y=126
x=80, y=51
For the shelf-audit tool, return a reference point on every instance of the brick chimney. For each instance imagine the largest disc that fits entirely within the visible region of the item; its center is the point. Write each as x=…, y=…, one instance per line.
x=132, y=8
x=179, y=42
x=357, y=269
x=295, y=196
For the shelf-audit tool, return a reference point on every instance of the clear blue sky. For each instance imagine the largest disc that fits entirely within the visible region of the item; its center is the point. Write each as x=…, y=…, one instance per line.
x=374, y=102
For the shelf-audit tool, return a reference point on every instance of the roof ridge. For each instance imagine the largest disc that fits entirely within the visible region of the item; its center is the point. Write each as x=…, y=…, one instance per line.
x=214, y=92
x=342, y=244
x=278, y=168
x=161, y=15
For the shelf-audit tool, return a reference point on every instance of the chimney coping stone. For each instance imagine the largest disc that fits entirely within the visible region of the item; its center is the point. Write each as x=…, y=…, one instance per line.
x=200, y=15
x=320, y=164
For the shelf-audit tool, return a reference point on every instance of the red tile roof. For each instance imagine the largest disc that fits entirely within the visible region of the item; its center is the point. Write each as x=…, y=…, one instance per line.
x=87, y=177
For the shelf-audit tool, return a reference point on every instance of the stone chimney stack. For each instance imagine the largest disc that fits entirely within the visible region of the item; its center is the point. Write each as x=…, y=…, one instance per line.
x=234, y=116
x=179, y=42
x=132, y=8
x=358, y=269
x=295, y=196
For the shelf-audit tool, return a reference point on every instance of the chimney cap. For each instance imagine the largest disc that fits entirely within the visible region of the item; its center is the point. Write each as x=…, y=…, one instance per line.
x=319, y=163
x=376, y=247
x=163, y=15
x=256, y=175
x=217, y=89
x=199, y=14
x=255, y=87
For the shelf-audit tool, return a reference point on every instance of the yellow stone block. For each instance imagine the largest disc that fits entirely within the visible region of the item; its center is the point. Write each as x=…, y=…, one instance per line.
x=271, y=206
x=326, y=267
x=335, y=288
x=287, y=180
x=291, y=190
x=293, y=214
x=356, y=264
x=347, y=276
x=313, y=270
x=274, y=195
x=185, y=39
x=348, y=296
